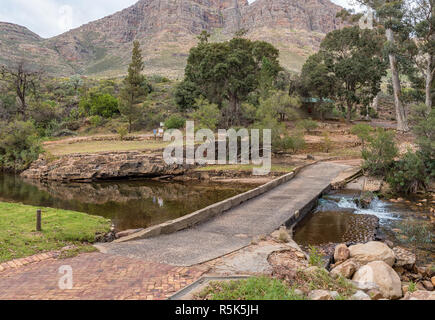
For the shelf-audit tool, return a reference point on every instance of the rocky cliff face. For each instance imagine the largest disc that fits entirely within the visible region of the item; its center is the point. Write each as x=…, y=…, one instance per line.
x=167, y=29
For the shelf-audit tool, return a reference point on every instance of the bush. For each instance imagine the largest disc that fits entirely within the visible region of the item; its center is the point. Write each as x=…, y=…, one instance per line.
x=19, y=145
x=362, y=131
x=96, y=121
x=380, y=153
x=104, y=105
x=207, y=114
x=294, y=142
x=175, y=122
x=307, y=124
x=409, y=174
x=122, y=132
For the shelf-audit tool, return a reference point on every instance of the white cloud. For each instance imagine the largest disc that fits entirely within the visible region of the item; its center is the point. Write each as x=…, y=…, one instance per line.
x=48, y=18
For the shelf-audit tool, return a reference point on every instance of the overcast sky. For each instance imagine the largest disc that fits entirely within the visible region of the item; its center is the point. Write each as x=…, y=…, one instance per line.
x=48, y=18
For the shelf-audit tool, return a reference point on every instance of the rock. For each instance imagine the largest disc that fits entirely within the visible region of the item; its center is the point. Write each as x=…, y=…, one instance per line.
x=375, y=294
x=346, y=269
x=103, y=166
x=299, y=292
x=365, y=286
x=384, y=276
x=310, y=157
x=281, y=235
x=372, y=251
x=433, y=281
x=389, y=243
x=341, y=253
x=404, y=258
x=420, y=286
x=334, y=294
x=360, y=295
x=420, y=295
x=127, y=232
x=428, y=285
x=320, y=295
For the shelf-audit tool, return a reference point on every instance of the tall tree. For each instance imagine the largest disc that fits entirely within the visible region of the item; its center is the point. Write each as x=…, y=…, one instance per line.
x=22, y=79
x=135, y=87
x=421, y=16
x=390, y=14
x=349, y=67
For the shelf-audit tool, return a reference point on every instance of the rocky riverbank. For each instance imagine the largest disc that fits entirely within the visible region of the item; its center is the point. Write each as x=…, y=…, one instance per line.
x=102, y=166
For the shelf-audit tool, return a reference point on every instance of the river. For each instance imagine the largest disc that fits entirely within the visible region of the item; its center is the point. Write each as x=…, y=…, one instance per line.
x=129, y=204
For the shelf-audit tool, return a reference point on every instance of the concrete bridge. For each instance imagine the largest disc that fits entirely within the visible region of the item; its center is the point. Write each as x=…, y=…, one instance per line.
x=234, y=229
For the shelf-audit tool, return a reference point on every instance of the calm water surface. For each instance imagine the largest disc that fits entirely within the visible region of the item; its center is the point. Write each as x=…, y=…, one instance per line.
x=130, y=204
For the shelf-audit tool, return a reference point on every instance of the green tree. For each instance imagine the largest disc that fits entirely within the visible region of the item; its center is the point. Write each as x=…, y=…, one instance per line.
x=421, y=17
x=227, y=72
x=19, y=145
x=134, y=88
x=353, y=60
x=380, y=153
x=391, y=15
x=280, y=105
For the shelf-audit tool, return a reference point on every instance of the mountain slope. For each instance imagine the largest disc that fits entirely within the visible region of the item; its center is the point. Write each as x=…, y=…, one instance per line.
x=167, y=29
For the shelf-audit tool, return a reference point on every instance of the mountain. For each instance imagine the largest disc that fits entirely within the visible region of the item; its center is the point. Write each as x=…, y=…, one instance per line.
x=167, y=29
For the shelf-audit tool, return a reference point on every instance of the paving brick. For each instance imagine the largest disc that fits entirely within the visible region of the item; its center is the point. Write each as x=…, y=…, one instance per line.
x=95, y=276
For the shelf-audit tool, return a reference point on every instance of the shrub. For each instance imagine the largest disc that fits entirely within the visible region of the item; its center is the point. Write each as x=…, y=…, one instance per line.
x=315, y=257
x=122, y=132
x=294, y=142
x=19, y=145
x=409, y=174
x=175, y=122
x=97, y=104
x=362, y=131
x=96, y=121
x=380, y=153
x=207, y=114
x=327, y=142
x=307, y=124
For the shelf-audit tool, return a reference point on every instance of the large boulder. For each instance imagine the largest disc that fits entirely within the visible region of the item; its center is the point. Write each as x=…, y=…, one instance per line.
x=372, y=251
x=341, y=253
x=383, y=275
x=404, y=258
x=345, y=269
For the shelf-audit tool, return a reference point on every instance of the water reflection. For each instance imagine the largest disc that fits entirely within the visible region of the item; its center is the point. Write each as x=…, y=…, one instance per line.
x=130, y=204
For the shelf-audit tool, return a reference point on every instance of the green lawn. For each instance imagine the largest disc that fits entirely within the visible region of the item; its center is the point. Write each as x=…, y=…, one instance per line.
x=60, y=228
x=61, y=149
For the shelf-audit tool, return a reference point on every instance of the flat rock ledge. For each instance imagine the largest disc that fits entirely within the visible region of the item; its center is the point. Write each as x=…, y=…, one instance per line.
x=102, y=166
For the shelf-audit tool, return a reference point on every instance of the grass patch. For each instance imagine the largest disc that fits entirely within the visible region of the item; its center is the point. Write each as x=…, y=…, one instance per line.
x=60, y=228
x=257, y=288
x=244, y=167
x=321, y=280
x=62, y=149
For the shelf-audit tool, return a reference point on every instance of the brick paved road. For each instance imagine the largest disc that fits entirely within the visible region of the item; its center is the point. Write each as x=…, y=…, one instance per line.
x=96, y=276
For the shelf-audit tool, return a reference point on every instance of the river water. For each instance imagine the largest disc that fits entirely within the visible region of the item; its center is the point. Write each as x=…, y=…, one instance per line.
x=403, y=223
x=130, y=204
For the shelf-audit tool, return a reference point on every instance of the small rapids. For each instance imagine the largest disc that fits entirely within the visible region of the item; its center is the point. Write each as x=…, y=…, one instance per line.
x=377, y=207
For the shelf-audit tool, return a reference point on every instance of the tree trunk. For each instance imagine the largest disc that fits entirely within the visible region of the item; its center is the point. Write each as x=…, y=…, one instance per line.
x=402, y=124
x=429, y=79
x=349, y=112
